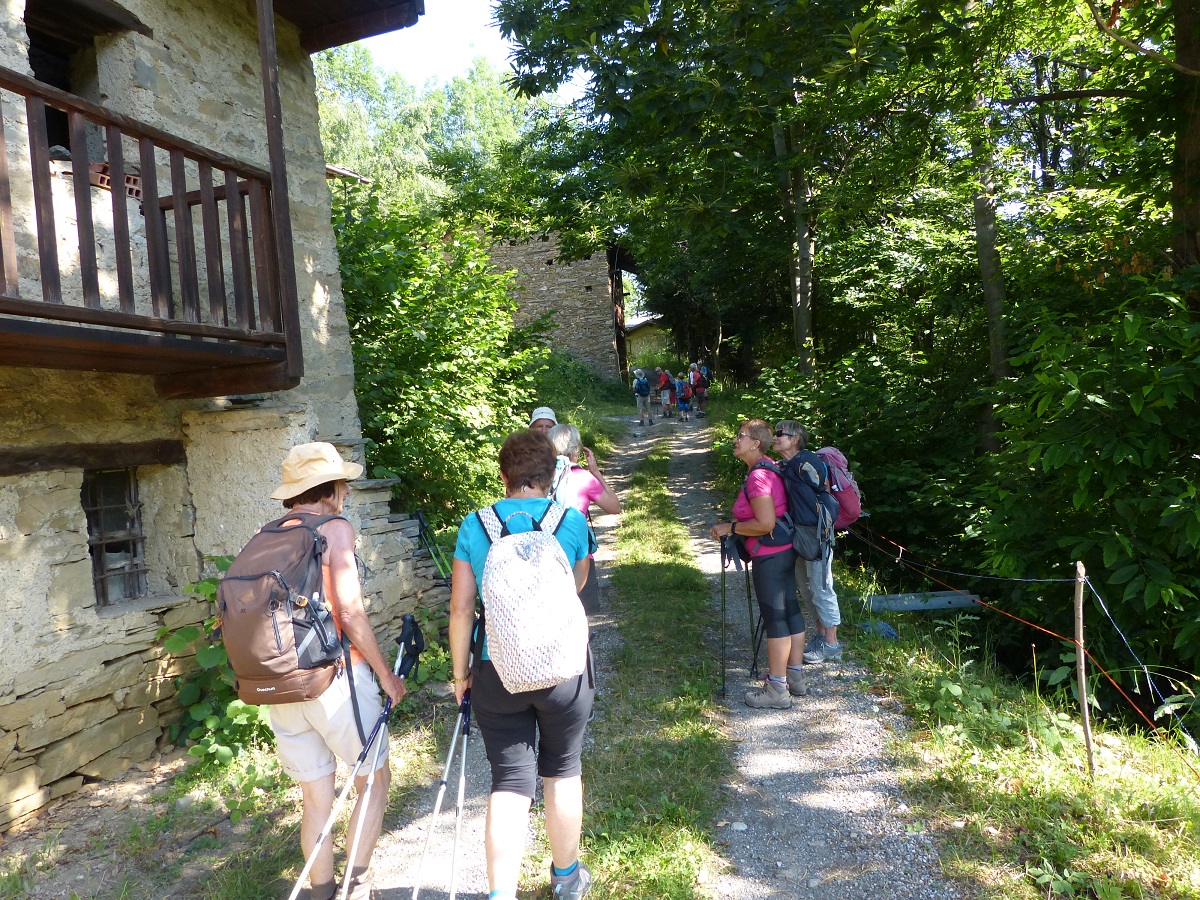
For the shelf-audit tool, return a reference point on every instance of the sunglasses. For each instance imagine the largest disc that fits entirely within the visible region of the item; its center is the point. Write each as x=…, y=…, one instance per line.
x=783, y=434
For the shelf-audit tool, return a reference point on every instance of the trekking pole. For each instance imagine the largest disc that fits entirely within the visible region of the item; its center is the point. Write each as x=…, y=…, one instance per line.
x=435, y=549
x=463, y=711
x=724, y=566
x=462, y=787
x=411, y=642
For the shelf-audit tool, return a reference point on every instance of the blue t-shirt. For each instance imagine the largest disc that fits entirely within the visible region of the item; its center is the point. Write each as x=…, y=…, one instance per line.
x=473, y=544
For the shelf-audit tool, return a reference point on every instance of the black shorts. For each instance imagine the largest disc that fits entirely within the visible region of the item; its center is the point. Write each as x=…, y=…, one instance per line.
x=590, y=595
x=510, y=724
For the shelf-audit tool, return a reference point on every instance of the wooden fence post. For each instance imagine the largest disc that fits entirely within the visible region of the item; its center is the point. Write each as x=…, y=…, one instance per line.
x=1080, y=658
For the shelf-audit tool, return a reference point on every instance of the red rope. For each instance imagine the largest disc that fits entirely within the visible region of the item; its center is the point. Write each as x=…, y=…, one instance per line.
x=1036, y=627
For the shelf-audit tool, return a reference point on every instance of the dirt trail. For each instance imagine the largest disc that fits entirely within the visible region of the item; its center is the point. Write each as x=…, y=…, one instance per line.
x=813, y=812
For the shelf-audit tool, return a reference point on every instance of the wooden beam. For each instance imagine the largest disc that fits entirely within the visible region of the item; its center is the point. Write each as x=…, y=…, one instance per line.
x=260, y=379
x=289, y=303
x=9, y=280
x=55, y=457
x=35, y=309
x=43, y=199
x=86, y=233
x=355, y=28
x=29, y=87
x=120, y=207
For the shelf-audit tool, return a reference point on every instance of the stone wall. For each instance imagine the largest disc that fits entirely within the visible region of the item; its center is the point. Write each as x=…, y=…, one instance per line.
x=577, y=294
x=85, y=691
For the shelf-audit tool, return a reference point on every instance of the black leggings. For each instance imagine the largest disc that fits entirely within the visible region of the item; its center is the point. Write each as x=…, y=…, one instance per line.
x=775, y=585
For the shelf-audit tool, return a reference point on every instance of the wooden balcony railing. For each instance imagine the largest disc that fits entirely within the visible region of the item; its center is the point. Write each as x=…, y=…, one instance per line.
x=184, y=285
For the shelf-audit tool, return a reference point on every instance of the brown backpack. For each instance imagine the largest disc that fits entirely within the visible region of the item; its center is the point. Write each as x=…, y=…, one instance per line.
x=277, y=626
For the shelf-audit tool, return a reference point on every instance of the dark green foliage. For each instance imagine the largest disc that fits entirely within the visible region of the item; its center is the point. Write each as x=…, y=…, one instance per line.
x=217, y=722
x=442, y=374
x=1101, y=467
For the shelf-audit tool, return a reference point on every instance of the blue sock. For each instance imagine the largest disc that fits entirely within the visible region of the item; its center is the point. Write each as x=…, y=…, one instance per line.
x=501, y=895
x=775, y=680
x=795, y=668
x=563, y=873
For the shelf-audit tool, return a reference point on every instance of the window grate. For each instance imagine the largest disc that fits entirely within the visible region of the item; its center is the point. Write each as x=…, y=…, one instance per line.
x=115, y=538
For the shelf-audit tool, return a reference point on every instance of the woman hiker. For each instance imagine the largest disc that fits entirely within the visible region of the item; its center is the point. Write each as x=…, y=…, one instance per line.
x=761, y=501
x=551, y=719
x=579, y=488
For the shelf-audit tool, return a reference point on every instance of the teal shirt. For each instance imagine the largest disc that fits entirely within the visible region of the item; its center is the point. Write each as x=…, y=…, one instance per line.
x=473, y=544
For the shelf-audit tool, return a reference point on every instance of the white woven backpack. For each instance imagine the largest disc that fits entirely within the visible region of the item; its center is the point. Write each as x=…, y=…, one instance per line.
x=536, y=628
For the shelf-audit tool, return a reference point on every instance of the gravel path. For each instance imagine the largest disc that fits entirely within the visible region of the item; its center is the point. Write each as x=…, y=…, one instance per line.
x=815, y=809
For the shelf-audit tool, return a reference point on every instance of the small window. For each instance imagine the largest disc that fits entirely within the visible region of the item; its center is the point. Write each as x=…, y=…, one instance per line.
x=115, y=539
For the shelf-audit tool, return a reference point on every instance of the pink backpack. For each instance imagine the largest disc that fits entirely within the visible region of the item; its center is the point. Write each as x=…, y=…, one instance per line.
x=844, y=486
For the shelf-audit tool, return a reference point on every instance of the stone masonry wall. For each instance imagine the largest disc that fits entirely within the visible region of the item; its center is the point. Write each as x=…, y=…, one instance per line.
x=577, y=293
x=84, y=691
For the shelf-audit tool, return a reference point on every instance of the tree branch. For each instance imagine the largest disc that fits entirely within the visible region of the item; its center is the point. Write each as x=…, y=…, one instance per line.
x=1068, y=95
x=1137, y=48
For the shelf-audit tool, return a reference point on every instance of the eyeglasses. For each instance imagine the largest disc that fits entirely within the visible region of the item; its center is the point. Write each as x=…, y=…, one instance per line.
x=742, y=436
x=783, y=434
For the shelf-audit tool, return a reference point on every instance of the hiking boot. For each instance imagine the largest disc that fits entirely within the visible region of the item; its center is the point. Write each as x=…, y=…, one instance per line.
x=573, y=886
x=823, y=652
x=360, y=885
x=797, y=683
x=769, y=696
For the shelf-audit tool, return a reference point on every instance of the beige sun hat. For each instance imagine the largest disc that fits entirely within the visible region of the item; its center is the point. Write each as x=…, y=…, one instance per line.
x=308, y=465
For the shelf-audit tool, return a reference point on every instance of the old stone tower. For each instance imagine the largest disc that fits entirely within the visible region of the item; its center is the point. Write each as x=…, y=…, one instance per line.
x=584, y=298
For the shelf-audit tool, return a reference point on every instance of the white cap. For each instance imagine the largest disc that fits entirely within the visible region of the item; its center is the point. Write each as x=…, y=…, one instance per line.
x=543, y=412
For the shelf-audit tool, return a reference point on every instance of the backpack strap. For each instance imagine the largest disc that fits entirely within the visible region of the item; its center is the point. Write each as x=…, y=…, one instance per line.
x=552, y=518
x=489, y=520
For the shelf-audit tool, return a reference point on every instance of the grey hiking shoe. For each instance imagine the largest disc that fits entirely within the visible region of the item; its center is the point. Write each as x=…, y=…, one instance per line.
x=823, y=652
x=797, y=683
x=573, y=886
x=769, y=696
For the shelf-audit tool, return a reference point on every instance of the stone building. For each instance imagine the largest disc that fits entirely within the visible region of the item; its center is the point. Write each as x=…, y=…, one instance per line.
x=585, y=298
x=171, y=322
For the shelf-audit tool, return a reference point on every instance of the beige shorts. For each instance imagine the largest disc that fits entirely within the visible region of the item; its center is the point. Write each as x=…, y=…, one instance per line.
x=308, y=734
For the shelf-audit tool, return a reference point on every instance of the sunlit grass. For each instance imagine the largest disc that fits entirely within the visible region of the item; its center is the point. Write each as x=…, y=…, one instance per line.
x=658, y=761
x=1000, y=774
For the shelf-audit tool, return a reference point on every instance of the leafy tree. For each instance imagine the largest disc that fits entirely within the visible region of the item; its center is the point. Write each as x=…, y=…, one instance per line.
x=441, y=373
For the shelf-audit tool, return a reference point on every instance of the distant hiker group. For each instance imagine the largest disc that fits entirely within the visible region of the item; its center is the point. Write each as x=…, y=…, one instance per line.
x=674, y=393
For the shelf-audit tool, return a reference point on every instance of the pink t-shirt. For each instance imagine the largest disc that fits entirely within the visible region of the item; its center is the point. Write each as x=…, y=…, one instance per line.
x=579, y=489
x=760, y=483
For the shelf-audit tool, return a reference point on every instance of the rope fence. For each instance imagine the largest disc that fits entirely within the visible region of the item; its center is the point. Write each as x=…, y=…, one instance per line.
x=926, y=570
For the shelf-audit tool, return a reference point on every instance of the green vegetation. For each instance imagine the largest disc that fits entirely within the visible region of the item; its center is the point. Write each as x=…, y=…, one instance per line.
x=999, y=774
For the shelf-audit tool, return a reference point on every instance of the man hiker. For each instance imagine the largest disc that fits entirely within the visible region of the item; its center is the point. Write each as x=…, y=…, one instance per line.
x=543, y=419
x=311, y=732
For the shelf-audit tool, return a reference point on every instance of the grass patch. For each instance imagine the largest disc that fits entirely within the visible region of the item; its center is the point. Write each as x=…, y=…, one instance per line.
x=658, y=760
x=999, y=774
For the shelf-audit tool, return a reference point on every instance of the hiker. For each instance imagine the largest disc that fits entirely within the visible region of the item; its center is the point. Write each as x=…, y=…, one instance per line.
x=551, y=719
x=641, y=394
x=814, y=578
x=760, y=503
x=542, y=419
x=310, y=733
x=699, y=382
x=664, y=391
x=579, y=488
x=683, y=397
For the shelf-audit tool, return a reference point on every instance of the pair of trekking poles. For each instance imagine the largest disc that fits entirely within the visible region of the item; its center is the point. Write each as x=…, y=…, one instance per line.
x=729, y=555
x=412, y=643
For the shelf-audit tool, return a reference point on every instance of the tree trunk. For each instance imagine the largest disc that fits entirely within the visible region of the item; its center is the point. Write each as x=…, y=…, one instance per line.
x=1185, y=180
x=795, y=188
x=994, y=296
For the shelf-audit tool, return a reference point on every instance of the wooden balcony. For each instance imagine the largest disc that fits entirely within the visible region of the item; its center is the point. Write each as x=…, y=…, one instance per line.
x=184, y=283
